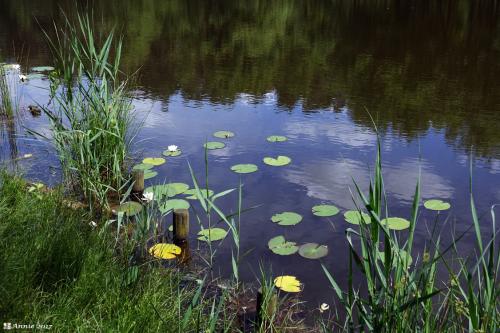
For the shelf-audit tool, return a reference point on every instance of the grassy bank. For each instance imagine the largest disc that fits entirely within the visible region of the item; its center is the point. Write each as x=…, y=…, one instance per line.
x=57, y=269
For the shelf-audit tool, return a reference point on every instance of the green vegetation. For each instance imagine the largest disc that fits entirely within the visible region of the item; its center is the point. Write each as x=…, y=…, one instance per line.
x=91, y=117
x=401, y=297
x=57, y=269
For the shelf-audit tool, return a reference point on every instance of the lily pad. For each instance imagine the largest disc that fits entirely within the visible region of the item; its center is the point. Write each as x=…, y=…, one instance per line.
x=244, y=168
x=396, y=223
x=276, y=138
x=174, y=204
x=169, y=189
x=211, y=145
x=325, y=210
x=165, y=251
x=142, y=166
x=224, y=134
x=437, y=204
x=130, y=208
x=288, y=283
x=169, y=153
x=42, y=69
x=282, y=247
x=286, y=218
x=148, y=174
x=212, y=234
x=193, y=193
x=278, y=161
x=403, y=256
x=313, y=251
x=35, y=76
x=153, y=160
x=353, y=217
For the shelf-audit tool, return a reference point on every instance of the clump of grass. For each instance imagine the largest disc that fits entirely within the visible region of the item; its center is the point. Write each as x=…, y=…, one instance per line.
x=7, y=106
x=398, y=296
x=91, y=117
x=58, y=270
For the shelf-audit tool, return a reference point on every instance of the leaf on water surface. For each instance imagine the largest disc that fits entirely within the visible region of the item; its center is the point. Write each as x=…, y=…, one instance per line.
x=437, y=204
x=169, y=153
x=211, y=234
x=278, y=161
x=354, y=217
x=165, y=251
x=313, y=251
x=282, y=247
x=142, y=166
x=35, y=76
x=288, y=283
x=130, y=208
x=193, y=194
x=276, y=138
x=396, y=223
x=42, y=69
x=244, y=168
x=169, y=189
x=148, y=174
x=223, y=134
x=211, y=145
x=286, y=218
x=153, y=160
x=172, y=204
x=325, y=210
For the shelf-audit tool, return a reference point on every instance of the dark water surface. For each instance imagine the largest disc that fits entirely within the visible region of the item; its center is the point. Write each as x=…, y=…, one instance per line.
x=428, y=71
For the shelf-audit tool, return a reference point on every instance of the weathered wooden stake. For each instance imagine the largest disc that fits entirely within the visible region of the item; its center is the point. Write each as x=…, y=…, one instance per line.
x=270, y=308
x=181, y=224
x=138, y=181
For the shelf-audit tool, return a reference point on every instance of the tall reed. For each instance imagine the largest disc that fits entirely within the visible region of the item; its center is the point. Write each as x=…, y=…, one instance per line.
x=91, y=117
x=7, y=105
x=402, y=296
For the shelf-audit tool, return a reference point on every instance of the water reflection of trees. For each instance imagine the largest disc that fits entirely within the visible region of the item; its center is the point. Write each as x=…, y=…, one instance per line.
x=412, y=63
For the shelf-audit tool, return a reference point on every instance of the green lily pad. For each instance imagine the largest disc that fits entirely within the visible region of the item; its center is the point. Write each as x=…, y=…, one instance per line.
x=403, y=256
x=278, y=161
x=325, y=210
x=169, y=189
x=193, y=193
x=148, y=174
x=42, y=69
x=153, y=160
x=396, y=223
x=353, y=217
x=171, y=228
x=286, y=218
x=282, y=247
x=174, y=204
x=130, y=208
x=437, y=204
x=35, y=76
x=276, y=138
x=244, y=168
x=211, y=234
x=169, y=153
x=223, y=134
x=313, y=251
x=142, y=166
x=211, y=145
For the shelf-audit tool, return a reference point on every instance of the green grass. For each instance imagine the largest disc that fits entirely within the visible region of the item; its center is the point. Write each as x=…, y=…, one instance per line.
x=56, y=269
x=91, y=118
x=396, y=296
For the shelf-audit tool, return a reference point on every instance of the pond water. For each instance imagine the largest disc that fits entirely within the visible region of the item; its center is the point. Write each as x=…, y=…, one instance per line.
x=427, y=71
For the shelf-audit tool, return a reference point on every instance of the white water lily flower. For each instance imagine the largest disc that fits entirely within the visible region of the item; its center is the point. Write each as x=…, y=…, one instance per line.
x=172, y=148
x=93, y=224
x=16, y=66
x=324, y=307
x=148, y=196
x=23, y=78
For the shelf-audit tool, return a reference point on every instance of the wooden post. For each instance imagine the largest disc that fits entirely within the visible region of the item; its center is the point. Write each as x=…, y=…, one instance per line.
x=271, y=307
x=181, y=224
x=138, y=181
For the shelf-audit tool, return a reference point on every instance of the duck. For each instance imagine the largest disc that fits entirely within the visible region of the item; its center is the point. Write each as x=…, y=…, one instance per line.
x=34, y=110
